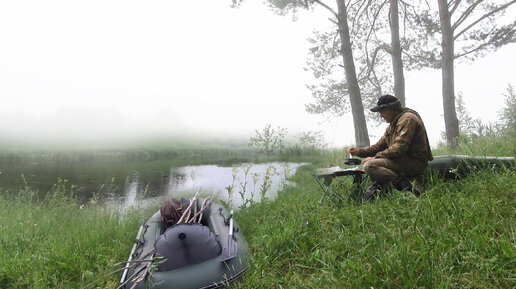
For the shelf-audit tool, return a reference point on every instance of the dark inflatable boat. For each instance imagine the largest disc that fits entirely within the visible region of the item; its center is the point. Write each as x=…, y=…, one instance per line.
x=459, y=166
x=209, y=254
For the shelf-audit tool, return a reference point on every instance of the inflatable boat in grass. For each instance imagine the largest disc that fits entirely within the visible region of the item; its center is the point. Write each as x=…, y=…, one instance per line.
x=459, y=166
x=210, y=252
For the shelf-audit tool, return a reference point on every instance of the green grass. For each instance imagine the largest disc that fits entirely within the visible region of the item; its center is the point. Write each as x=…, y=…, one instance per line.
x=56, y=243
x=459, y=234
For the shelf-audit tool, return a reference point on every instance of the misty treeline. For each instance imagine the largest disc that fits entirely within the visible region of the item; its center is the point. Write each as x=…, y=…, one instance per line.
x=374, y=42
x=474, y=128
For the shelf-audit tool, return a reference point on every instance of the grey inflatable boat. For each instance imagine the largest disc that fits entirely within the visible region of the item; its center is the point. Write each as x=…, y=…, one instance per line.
x=458, y=166
x=188, y=255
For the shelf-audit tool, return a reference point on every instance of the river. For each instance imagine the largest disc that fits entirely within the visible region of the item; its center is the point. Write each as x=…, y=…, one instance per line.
x=139, y=183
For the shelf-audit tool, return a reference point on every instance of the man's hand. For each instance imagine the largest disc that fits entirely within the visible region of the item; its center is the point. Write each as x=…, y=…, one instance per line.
x=352, y=151
x=367, y=159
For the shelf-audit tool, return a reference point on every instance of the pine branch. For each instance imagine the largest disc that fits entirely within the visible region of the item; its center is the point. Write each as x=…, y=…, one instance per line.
x=375, y=17
x=500, y=35
x=455, y=5
x=370, y=65
x=359, y=14
x=328, y=8
x=481, y=46
x=484, y=17
x=465, y=15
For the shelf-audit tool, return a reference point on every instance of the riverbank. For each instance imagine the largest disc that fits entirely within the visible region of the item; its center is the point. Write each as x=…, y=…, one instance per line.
x=459, y=234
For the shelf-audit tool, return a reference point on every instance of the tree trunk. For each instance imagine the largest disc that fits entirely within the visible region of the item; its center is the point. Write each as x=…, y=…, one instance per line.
x=357, y=109
x=397, y=64
x=450, y=115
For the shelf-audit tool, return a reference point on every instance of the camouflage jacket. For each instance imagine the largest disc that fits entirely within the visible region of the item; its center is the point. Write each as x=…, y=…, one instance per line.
x=405, y=135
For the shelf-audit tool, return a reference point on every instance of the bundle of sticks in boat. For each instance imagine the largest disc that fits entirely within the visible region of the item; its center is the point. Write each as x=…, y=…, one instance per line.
x=192, y=214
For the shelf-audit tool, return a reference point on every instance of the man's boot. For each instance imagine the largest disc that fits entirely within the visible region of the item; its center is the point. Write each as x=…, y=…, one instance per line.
x=371, y=192
x=402, y=183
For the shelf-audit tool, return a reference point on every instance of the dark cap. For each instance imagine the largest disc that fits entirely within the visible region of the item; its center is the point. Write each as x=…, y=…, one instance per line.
x=386, y=100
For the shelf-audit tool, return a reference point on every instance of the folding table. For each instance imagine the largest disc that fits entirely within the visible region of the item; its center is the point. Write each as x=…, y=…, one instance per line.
x=328, y=175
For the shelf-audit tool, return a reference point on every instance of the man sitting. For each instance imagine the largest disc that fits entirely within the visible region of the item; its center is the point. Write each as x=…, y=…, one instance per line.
x=403, y=151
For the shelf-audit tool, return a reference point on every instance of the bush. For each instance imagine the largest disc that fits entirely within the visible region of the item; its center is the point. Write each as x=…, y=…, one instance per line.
x=508, y=113
x=269, y=140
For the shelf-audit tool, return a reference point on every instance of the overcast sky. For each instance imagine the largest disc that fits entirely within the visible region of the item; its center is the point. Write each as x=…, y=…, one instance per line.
x=70, y=69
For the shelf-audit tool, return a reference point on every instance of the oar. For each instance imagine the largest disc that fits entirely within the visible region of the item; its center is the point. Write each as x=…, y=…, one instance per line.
x=135, y=245
x=230, y=251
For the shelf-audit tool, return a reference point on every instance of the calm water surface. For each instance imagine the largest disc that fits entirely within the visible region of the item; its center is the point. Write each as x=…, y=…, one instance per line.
x=142, y=183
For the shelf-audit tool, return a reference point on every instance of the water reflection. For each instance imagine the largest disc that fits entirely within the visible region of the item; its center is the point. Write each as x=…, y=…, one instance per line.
x=131, y=189
x=237, y=186
x=139, y=183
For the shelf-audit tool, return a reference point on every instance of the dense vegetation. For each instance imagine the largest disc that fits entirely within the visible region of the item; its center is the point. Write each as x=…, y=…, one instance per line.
x=459, y=234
